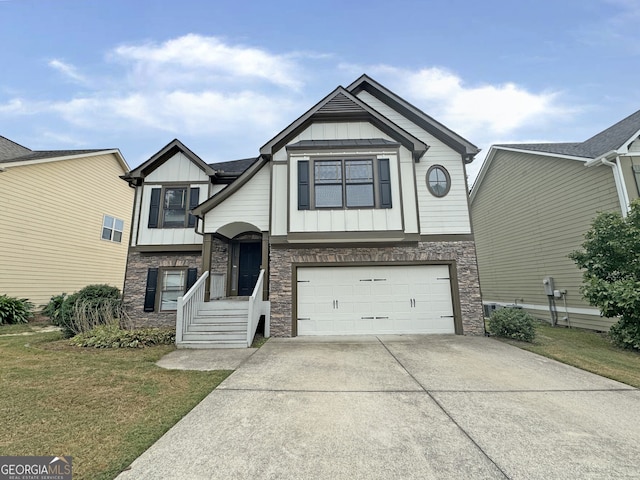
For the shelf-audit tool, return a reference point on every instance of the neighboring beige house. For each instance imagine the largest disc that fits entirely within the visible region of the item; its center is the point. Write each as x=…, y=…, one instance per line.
x=353, y=219
x=65, y=220
x=531, y=206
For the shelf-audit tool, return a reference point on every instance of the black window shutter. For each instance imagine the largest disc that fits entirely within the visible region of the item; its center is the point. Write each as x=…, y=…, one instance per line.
x=150, y=293
x=192, y=276
x=154, y=210
x=194, y=200
x=303, y=185
x=384, y=179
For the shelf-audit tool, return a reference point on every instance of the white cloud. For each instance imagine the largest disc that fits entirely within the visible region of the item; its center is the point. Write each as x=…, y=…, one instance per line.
x=68, y=70
x=178, y=112
x=483, y=110
x=197, y=58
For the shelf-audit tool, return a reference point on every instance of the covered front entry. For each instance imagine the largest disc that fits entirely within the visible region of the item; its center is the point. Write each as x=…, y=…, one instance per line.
x=246, y=258
x=374, y=300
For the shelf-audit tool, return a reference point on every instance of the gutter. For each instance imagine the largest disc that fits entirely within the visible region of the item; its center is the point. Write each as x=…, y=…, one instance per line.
x=623, y=195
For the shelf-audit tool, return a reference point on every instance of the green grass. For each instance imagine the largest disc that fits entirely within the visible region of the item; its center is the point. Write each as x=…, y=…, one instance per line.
x=586, y=350
x=102, y=406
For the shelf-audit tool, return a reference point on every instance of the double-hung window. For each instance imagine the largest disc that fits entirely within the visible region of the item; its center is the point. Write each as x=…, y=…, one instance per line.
x=170, y=207
x=345, y=183
x=172, y=287
x=112, y=228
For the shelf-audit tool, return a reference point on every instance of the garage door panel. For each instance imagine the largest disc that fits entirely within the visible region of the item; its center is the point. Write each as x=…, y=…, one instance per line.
x=374, y=300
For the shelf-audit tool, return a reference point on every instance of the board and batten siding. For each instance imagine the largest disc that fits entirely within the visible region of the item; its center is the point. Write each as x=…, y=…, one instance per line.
x=343, y=220
x=438, y=216
x=176, y=170
x=51, y=226
x=249, y=204
x=529, y=213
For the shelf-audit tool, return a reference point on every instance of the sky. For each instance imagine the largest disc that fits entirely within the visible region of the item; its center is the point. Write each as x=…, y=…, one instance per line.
x=224, y=77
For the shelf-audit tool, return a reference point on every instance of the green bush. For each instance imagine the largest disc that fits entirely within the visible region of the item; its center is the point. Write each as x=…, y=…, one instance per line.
x=82, y=311
x=625, y=333
x=512, y=323
x=53, y=309
x=14, y=310
x=112, y=336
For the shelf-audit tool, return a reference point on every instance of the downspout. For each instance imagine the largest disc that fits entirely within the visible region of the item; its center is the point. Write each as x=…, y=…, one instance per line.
x=623, y=195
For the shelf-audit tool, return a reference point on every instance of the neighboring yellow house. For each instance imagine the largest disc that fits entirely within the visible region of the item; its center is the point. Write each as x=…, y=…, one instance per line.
x=65, y=220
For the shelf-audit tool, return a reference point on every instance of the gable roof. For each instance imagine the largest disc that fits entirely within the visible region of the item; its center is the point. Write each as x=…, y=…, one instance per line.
x=10, y=149
x=342, y=105
x=461, y=145
x=614, y=138
x=234, y=167
x=165, y=153
x=13, y=154
x=610, y=140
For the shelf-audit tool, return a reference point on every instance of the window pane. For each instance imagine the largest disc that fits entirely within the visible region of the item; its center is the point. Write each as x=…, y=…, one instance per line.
x=106, y=234
x=360, y=196
x=117, y=236
x=328, y=172
x=169, y=300
x=359, y=171
x=173, y=218
x=328, y=195
x=119, y=225
x=175, y=198
x=108, y=221
x=173, y=280
x=438, y=181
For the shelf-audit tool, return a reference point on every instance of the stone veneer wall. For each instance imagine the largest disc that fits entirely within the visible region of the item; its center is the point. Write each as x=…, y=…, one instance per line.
x=135, y=284
x=463, y=253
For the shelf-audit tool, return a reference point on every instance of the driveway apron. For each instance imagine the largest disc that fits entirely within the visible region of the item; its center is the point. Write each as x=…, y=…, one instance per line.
x=402, y=407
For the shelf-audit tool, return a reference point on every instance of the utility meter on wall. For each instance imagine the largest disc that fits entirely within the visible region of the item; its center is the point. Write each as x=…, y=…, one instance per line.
x=548, y=286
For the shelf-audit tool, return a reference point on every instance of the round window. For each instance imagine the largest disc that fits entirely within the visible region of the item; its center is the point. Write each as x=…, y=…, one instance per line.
x=438, y=180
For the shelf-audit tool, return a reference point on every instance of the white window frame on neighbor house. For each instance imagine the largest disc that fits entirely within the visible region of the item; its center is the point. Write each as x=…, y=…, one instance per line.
x=112, y=229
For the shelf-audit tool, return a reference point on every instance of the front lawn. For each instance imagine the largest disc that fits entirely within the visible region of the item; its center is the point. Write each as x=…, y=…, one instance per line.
x=587, y=350
x=103, y=407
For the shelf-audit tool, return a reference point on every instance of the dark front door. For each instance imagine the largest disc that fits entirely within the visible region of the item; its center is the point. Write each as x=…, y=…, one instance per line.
x=249, y=267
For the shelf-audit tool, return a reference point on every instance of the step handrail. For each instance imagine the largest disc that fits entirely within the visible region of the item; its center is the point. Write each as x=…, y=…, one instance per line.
x=257, y=308
x=188, y=304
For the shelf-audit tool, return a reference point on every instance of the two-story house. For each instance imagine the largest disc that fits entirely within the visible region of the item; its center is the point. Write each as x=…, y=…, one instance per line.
x=64, y=220
x=356, y=214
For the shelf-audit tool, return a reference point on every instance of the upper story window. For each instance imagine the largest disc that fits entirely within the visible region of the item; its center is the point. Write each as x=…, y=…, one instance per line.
x=170, y=207
x=438, y=181
x=112, y=229
x=346, y=183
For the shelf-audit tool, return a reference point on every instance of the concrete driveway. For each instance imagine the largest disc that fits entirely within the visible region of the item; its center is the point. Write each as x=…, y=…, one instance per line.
x=402, y=407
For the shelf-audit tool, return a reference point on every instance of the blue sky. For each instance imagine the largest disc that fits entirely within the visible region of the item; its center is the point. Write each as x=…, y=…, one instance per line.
x=226, y=76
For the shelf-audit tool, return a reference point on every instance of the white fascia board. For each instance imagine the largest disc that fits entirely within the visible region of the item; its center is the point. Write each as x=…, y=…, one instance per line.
x=598, y=160
x=115, y=152
x=483, y=169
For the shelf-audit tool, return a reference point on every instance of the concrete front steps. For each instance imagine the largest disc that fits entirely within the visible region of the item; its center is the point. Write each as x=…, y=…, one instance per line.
x=218, y=324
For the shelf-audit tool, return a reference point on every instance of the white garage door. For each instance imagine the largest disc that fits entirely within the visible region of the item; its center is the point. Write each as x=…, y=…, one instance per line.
x=374, y=300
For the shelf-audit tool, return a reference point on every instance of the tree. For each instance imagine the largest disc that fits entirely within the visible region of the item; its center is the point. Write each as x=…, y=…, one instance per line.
x=611, y=279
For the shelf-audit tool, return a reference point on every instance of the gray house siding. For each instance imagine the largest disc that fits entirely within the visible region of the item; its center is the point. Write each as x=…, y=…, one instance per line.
x=529, y=213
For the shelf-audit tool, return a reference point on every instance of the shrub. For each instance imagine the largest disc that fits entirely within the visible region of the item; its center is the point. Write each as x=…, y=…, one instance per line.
x=53, y=309
x=512, y=323
x=625, y=333
x=92, y=306
x=112, y=336
x=611, y=276
x=14, y=310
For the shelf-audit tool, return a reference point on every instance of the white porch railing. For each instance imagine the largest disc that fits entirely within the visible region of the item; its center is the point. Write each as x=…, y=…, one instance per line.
x=188, y=304
x=257, y=308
